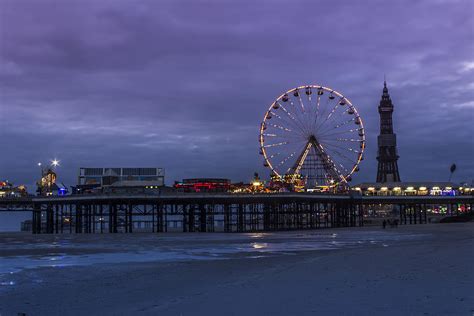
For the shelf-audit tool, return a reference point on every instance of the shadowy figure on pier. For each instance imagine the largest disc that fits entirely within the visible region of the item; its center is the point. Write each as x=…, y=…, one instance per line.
x=384, y=224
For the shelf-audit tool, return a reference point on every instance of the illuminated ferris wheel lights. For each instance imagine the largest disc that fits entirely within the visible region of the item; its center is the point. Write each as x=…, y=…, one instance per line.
x=314, y=143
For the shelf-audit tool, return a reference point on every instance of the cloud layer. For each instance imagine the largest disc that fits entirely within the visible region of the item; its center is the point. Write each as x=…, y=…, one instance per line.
x=184, y=84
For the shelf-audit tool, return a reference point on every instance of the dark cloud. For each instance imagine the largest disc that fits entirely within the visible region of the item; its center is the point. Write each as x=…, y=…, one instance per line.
x=184, y=84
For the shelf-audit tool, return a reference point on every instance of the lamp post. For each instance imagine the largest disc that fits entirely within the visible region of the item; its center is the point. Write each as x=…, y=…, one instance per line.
x=40, y=182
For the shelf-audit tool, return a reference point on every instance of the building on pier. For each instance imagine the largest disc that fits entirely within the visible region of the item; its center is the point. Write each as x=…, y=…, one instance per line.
x=8, y=190
x=134, y=187
x=412, y=188
x=203, y=185
x=91, y=180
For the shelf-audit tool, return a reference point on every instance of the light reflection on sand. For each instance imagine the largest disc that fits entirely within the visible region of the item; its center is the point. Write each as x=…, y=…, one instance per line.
x=257, y=245
x=59, y=251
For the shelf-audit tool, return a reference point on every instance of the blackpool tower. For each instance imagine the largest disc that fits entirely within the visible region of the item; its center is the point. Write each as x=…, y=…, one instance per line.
x=387, y=156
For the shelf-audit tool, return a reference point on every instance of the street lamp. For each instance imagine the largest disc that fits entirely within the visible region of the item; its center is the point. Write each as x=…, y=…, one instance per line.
x=54, y=162
x=40, y=182
x=40, y=165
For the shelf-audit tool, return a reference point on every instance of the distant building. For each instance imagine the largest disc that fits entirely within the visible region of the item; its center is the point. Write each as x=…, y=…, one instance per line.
x=119, y=180
x=108, y=176
x=8, y=190
x=47, y=186
x=203, y=185
x=412, y=188
x=387, y=155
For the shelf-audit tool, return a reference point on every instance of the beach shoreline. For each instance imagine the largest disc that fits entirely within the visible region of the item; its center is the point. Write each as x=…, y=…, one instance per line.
x=429, y=273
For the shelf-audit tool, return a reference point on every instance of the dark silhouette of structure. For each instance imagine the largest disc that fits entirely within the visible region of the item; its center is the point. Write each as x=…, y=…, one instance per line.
x=387, y=156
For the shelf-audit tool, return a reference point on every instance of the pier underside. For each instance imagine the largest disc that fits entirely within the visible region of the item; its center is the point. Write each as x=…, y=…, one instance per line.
x=191, y=217
x=226, y=212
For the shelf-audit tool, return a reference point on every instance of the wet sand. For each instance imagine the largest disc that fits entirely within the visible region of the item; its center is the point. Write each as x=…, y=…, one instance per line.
x=412, y=270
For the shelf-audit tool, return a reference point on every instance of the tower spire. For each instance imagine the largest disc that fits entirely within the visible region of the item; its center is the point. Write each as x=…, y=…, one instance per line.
x=385, y=95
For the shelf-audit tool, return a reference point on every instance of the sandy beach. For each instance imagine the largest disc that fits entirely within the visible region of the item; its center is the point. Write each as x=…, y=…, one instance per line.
x=411, y=270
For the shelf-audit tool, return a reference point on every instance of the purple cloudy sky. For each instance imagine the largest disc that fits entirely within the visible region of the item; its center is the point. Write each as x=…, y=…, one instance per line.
x=184, y=84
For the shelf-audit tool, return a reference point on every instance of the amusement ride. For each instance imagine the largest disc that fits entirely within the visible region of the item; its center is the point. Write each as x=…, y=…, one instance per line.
x=312, y=138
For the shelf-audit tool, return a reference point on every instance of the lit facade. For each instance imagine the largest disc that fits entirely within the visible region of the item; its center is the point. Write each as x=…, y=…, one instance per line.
x=203, y=185
x=8, y=190
x=412, y=188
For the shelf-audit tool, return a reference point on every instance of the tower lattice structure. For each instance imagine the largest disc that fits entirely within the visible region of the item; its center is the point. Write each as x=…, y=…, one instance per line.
x=387, y=156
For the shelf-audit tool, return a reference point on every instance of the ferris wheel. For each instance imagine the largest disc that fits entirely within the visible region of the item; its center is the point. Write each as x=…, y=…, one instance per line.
x=312, y=134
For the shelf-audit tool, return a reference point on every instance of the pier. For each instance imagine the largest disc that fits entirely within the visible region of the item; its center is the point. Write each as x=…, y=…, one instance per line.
x=217, y=212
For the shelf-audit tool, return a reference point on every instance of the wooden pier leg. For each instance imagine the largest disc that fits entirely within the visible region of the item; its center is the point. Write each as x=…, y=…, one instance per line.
x=87, y=209
x=94, y=213
x=126, y=210
x=110, y=218
x=114, y=219
x=70, y=219
x=191, y=218
x=400, y=213
x=78, y=219
x=101, y=214
x=415, y=213
x=62, y=218
x=186, y=211
x=36, y=222
x=49, y=219
x=152, y=217
x=240, y=218
x=422, y=210
x=164, y=209
x=159, y=209
x=130, y=219
x=202, y=218
x=227, y=218
x=56, y=218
